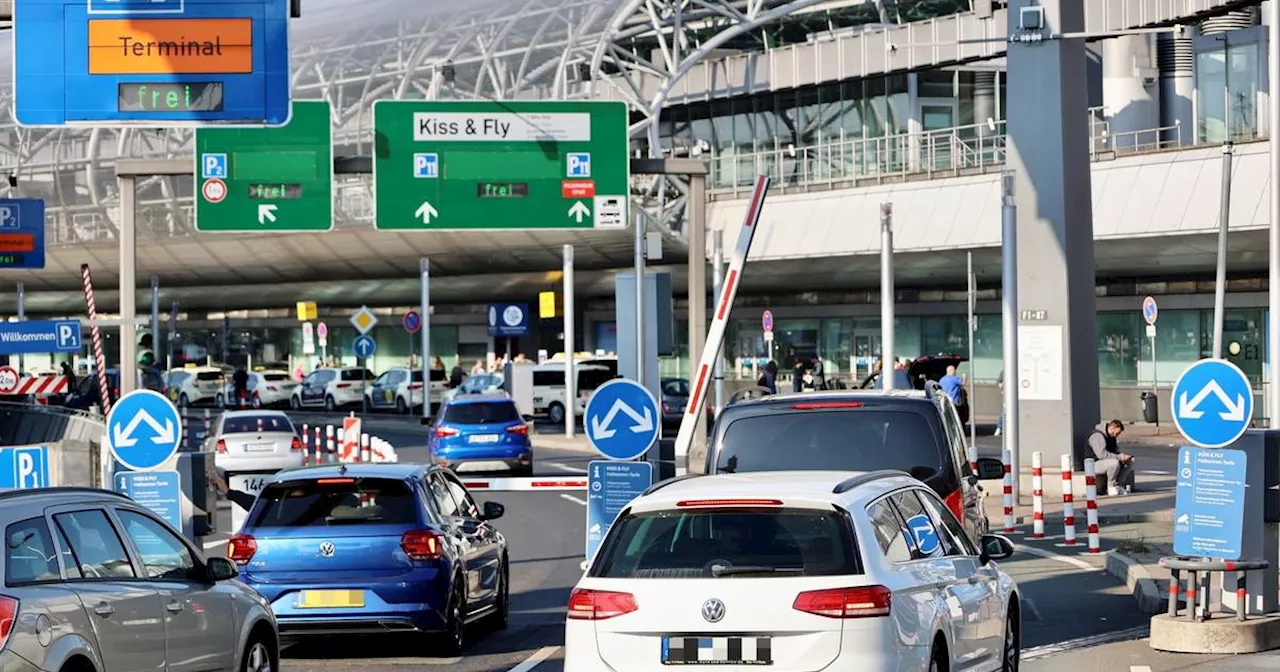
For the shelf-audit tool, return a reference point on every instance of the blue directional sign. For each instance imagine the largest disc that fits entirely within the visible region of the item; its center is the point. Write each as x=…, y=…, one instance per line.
x=213, y=166
x=18, y=338
x=143, y=430
x=21, y=233
x=154, y=62
x=1149, y=310
x=1212, y=403
x=24, y=467
x=160, y=491
x=622, y=419
x=1208, y=512
x=508, y=320
x=364, y=346
x=426, y=165
x=610, y=488
x=923, y=534
x=578, y=164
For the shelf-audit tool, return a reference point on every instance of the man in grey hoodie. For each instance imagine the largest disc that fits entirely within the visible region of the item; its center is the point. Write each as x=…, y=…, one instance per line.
x=1116, y=466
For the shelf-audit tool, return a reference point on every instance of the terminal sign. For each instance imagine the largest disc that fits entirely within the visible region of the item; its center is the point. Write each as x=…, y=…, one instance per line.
x=1208, y=516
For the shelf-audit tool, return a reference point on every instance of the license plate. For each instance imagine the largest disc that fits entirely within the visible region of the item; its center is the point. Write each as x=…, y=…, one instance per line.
x=330, y=599
x=683, y=650
x=259, y=447
x=483, y=438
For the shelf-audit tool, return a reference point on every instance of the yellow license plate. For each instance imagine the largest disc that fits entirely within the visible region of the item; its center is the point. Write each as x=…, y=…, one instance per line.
x=330, y=599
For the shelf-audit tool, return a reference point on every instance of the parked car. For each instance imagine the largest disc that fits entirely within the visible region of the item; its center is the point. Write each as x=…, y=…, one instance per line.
x=481, y=383
x=400, y=389
x=918, y=372
x=331, y=389
x=196, y=385
x=675, y=397
x=375, y=548
x=483, y=432
x=86, y=395
x=94, y=581
x=255, y=441
x=264, y=389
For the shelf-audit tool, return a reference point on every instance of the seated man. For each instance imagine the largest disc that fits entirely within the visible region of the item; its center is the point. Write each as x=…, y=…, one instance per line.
x=1109, y=461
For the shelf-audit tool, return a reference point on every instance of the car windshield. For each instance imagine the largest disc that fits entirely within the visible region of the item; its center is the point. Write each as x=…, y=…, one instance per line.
x=209, y=375
x=275, y=377
x=862, y=439
x=336, y=501
x=480, y=413
x=252, y=424
x=590, y=379
x=483, y=382
x=702, y=543
x=355, y=374
x=675, y=388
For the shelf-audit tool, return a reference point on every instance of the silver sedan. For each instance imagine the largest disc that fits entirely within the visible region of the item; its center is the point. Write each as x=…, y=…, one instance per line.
x=255, y=441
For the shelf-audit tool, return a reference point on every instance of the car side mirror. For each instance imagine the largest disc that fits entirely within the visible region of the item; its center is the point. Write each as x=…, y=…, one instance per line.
x=492, y=511
x=221, y=569
x=990, y=468
x=995, y=547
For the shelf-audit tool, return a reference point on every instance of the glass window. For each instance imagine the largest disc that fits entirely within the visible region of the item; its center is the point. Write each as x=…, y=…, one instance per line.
x=893, y=540
x=276, y=377
x=949, y=528
x=675, y=387
x=164, y=556
x=943, y=334
x=1120, y=342
x=252, y=424
x=920, y=526
x=988, y=344
x=95, y=546
x=336, y=501
x=357, y=374
x=445, y=503
x=69, y=566
x=766, y=542
x=480, y=413
x=1243, y=333
x=466, y=505
x=1178, y=344
x=590, y=379
x=29, y=554
x=209, y=375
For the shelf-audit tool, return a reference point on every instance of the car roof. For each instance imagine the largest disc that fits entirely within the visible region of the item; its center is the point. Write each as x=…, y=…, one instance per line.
x=57, y=495
x=480, y=398
x=828, y=396
x=400, y=470
x=253, y=413
x=793, y=488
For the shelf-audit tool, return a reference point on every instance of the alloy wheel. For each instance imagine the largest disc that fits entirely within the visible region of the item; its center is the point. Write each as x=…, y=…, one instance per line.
x=258, y=659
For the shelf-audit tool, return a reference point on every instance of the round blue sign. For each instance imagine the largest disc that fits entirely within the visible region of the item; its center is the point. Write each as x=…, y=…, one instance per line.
x=622, y=419
x=1212, y=403
x=143, y=430
x=766, y=320
x=364, y=346
x=923, y=534
x=1149, y=310
x=412, y=321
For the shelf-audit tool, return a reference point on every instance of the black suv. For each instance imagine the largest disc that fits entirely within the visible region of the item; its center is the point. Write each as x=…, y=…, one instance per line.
x=915, y=431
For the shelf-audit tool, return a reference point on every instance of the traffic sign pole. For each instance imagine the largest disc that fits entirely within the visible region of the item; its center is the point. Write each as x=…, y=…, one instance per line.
x=424, y=271
x=570, y=380
x=22, y=315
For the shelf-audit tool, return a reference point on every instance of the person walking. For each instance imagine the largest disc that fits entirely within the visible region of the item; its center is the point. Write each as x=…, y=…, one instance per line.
x=1109, y=461
x=819, y=377
x=769, y=379
x=797, y=377
x=953, y=385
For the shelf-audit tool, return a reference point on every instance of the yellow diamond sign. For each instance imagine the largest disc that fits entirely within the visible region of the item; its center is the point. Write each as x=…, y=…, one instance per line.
x=363, y=320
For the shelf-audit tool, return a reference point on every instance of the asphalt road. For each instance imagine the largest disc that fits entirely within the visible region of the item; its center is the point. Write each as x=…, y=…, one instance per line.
x=1070, y=604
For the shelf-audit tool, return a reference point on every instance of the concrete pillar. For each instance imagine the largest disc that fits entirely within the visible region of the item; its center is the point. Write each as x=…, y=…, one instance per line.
x=1048, y=152
x=1176, y=59
x=1130, y=91
x=697, y=235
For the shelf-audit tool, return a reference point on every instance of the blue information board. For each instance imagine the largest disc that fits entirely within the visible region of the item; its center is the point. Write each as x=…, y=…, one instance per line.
x=160, y=491
x=21, y=233
x=508, y=320
x=1208, y=514
x=39, y=336
x=24, y=467
x=610, y=487
x=161, y=62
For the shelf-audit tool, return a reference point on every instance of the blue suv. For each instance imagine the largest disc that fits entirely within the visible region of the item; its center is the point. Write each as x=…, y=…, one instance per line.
x=485, y=431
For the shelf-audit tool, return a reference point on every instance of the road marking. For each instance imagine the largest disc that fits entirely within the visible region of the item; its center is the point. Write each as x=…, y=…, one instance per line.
x=1085, y=642
x=1050, y=555
x=565, y=467
x=1139, y=668
x=208, y=545
x=575, y=500
x=1153, y=472
x=1030, y=610
x=532, y=661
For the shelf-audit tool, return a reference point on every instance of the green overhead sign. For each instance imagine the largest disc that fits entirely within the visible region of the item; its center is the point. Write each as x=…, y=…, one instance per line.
x=267, y=179
x=500, y=164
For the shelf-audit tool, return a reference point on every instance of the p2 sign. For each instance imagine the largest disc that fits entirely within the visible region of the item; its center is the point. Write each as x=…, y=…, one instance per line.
x=24, y=467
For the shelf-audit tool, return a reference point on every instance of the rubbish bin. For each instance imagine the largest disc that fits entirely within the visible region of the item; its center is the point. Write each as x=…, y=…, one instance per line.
x=1150, y=407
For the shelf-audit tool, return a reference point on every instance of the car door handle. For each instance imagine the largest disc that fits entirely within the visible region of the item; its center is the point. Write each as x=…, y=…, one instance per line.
x=104, y=609
x=973, y=580
x=174, y=607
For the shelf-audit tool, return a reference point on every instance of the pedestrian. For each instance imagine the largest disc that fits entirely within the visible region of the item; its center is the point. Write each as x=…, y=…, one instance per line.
x=457, y=375
x=769, y=379
x=819, y=377
x=953, y=385
x=70, y=375
x=797, y=376
x=1000, y=417
x=437, y=364
x=241, y=381
x=478, y=369
x=1117, y=466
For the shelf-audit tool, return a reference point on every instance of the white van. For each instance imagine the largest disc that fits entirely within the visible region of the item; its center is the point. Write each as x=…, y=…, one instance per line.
x=548, y=388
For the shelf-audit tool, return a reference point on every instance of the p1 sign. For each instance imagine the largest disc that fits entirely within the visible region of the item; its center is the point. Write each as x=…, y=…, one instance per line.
x=24, y=467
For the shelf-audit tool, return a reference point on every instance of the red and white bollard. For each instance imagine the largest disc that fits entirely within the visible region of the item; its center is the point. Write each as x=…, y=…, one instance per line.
x=319, y=447
x=1068, y=503
x=207, y=425
x=1008, y=491
x=1037, y=496
x=366, y=455
x=342, y=451
x=1091, y=505
x=330, y=446
x=973, y=459
x=306, y=440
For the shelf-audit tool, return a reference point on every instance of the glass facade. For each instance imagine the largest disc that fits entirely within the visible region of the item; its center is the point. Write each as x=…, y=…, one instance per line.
x=1228, y=83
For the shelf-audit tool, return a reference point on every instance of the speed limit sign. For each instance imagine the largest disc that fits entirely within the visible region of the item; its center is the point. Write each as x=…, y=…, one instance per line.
x=8, y=379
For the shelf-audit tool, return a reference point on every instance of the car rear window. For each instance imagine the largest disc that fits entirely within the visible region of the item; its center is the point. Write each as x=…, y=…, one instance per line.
x=864, y=439
x=336, y=501
x=482, y=413
x=248, y=424
x=29, y=554
x=355, y=374
x=416, y=376
x=593, y=378
x=676, y=388
x=209, y=375
x=772, y=542
x=275, y=376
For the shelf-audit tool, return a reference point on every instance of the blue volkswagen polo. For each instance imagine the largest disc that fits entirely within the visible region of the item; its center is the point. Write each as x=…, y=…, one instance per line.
x=484, y=431
x=375, y=548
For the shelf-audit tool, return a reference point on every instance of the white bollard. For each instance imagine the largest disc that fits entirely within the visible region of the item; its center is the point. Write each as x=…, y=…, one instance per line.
x=330, y=446
x=1008, y=491
x=1068, y=503
x=1091, y=505
x=365, y=454
x=1037, y=496
x=342, y=446
x=973, y=459
x=319, y=448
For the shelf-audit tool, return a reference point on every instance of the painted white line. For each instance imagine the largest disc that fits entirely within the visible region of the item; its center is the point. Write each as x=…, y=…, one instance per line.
x=1058, y=557
x=565, y=467
x=1153, y=472
x=533, y=660
x=209, y=545
x=1030, y=609
x=1085, y=642
x=1139, y=668
x=575, y=500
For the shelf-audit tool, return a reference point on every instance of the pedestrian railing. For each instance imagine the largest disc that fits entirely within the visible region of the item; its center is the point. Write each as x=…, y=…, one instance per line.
x=1200, y=572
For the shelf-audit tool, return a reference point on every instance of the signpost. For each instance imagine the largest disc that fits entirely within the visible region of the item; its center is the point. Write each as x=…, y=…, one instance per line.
x=364, y=346
x=143, y=430
x=21, y=233
x=412, y=322
x=308, y=339
x=1149, y=313
x=610, y=488
x=622, y=420
x=476, y=165
x=39, y=336
x=160, y=491
x=363, y=320
x=23, y=467
x=1208, y=516
x=322, y=339
x=268, y=179
x=766, y=322
x=508, y=320
x=151, y=62
x=1212, y=403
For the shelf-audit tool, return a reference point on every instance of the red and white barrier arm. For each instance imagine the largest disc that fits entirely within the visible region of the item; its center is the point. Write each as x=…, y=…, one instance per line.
x=719, y=323
x=536, y=483
x=100, y=361
x=43, y=385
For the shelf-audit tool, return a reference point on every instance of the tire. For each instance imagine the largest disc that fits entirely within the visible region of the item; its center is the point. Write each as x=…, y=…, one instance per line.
x=329, y=404
x=184, y=401
x=939, y=662
x=401, y=407
x=220, y=401
x=524, y=472
x=501, y=617
x=258, y=657
x=454, y=637
x=1012, y=650
x=555, y=413
x=295, y=402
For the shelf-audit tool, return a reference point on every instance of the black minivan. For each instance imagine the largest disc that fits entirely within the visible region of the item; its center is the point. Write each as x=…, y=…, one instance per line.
x=915, y=431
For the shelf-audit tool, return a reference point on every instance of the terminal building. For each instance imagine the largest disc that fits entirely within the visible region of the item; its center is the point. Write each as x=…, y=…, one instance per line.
x=845, y=104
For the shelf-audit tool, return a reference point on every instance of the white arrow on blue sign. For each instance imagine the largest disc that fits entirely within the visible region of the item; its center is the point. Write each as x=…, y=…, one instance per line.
x=364, y=347
x=622, y=419
x=1212, y=403
x=143, y=430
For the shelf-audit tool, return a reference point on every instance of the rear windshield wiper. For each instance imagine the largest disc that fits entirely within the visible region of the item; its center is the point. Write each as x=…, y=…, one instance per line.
x=720, y=570
x=349, y=521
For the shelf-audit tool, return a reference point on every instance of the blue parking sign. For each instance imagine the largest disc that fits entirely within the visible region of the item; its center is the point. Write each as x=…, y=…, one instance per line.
x=426, y=165
x=213, y=166
x=578, y=164
x=24, y=467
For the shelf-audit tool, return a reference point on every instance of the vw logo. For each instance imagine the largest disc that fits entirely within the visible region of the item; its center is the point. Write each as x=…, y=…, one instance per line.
x=326, y=549
x=713, y=610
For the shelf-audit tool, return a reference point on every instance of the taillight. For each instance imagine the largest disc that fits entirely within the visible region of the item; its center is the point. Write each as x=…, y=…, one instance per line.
x=445, y=432
x=955, y=502
x=415, y=386
x=335, y=481
x=596, y=605
x=272, y=388
x=865, y=602
x=728, y=502
x=296, y=444
x=421, y=544
x=220, y=446
x=519, y=429
x=8, y=612
x=343, y=386
x=666, y=408
x=240, y=548
x=819, y=405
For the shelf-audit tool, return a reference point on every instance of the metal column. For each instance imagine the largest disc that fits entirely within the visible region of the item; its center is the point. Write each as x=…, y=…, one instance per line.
x=717, y=280
x=697, y=237
x=570, y=380
x=1009, y=323
x=887, y=294
x=128, y=286
x=973, y=328
x=22, y=316
x=639, y=325
x=424, y=272
x=1273, y=255
x=1224, y=220
x=155, y=319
